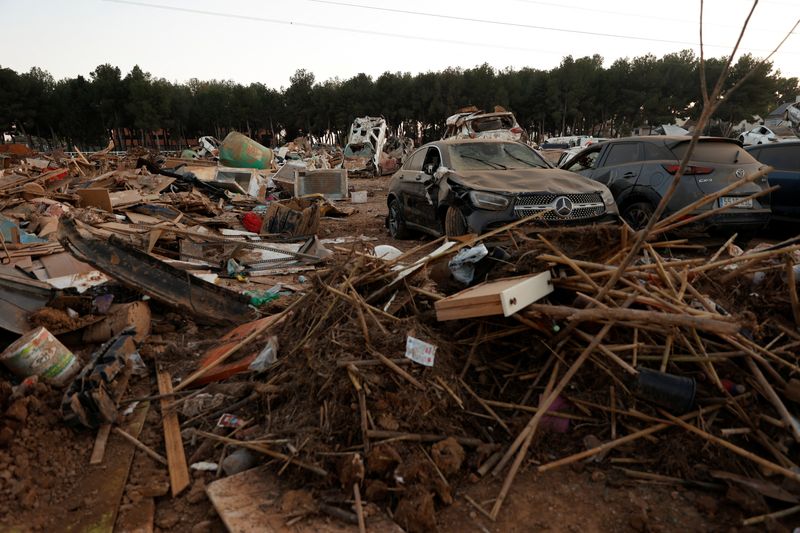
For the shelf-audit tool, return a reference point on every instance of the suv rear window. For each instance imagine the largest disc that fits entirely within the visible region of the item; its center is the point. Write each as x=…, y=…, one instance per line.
x=710, y=151
x=782, y=157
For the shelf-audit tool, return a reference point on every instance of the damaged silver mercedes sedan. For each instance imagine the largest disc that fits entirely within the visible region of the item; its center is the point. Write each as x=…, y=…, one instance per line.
x=461, y=186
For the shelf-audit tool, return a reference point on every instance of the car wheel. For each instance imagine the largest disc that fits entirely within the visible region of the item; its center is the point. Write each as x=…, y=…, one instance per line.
x=638, y=214
x=397, y=226
x=454, y=222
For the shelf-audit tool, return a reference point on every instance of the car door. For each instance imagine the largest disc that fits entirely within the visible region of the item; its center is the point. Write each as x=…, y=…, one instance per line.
x=785, y=159
x=408, y=185
x=426, y=188
x=620, y=167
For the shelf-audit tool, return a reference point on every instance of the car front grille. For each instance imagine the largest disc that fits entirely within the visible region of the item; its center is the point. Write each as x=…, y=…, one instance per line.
x=584, y=205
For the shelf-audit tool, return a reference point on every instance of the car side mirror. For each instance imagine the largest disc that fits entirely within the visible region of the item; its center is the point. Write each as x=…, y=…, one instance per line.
x=429, y=169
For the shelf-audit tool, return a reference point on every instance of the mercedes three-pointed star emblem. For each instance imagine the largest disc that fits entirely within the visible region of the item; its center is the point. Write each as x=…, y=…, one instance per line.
x=562, y=206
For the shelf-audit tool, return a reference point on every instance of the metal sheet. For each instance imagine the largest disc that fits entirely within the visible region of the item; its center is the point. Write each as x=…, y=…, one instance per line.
x=162, y=282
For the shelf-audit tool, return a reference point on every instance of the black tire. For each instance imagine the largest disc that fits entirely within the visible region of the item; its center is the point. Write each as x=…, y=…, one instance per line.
x=397, y=226
x=455, y=224
x=638, y=214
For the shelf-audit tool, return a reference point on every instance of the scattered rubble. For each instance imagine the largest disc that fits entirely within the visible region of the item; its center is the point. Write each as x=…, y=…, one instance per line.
x=327, y=380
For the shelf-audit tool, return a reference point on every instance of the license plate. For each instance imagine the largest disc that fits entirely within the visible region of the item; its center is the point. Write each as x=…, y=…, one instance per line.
x=725, y=200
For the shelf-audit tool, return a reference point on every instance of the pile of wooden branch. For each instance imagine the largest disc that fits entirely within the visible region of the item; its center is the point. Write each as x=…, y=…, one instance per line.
x=572, y=365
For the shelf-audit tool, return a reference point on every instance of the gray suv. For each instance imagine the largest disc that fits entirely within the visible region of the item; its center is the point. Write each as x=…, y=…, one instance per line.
x=639, y=170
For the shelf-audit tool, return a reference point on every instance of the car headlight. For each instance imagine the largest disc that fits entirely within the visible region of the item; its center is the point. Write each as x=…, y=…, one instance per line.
x=487, y=200
x=608, y=200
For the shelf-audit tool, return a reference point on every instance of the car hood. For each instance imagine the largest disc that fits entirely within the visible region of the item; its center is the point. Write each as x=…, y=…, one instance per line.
x=526, y=180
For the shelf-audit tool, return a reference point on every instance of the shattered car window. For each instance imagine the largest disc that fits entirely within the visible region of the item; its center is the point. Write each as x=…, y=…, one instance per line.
x=492, y=123
x=497, y=156
x=585, y=162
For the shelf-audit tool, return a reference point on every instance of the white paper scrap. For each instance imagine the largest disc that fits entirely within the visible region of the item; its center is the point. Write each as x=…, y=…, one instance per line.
x=420, y=351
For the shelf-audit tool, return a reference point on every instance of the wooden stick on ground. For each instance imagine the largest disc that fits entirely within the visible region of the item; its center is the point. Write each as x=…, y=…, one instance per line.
x=176, y=457
x=774, y=399
x=485, y=406
x=769, y=465
x=610, y=445
x=764, y=517
x=261, y=448
x=139, y=444
x=362, y=526
x=396, y=369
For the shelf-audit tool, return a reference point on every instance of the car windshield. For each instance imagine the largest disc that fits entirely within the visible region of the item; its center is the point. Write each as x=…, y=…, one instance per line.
x=497, y=156
x=499, y=122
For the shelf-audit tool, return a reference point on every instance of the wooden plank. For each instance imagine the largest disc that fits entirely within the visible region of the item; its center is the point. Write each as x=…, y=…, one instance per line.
x=176, y=458
x=100, y=443
x=249, y=502
x=504, y=296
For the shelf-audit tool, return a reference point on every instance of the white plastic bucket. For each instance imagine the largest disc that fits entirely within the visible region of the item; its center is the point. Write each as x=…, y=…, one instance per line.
x=39, y=353
x=358, y=197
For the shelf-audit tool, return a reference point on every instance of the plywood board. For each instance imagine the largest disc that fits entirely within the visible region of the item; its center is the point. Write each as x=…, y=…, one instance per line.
x=499, y=297
x=95, y=198
x=249, y=502
x=63, y=264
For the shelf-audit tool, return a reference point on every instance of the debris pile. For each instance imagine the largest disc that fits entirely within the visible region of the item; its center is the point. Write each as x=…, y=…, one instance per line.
x=362, y=384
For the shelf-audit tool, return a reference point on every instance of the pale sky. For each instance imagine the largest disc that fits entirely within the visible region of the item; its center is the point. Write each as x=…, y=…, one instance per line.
x=267, y=40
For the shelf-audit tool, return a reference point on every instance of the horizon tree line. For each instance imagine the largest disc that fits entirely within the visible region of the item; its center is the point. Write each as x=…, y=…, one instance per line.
x=580, y=96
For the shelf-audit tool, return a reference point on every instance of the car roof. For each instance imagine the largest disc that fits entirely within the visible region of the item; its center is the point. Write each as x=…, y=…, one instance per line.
x=668, y=139
x=772, y=146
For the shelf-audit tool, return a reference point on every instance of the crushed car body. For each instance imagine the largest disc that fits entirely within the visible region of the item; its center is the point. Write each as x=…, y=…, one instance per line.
x=473, y=123
x=362, y=154
x=767, y=135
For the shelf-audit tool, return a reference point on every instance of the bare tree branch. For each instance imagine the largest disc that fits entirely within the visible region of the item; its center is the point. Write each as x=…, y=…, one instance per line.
x=703, y=82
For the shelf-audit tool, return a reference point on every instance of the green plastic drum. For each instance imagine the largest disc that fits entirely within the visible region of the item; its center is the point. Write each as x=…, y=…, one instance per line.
x=240, y=151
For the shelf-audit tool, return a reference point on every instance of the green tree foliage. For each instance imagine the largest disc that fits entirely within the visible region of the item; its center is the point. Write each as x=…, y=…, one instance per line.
x=580, y=95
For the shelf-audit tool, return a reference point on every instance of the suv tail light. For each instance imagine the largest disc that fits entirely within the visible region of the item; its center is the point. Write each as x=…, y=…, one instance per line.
x=516, y=129
x=691, y=170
